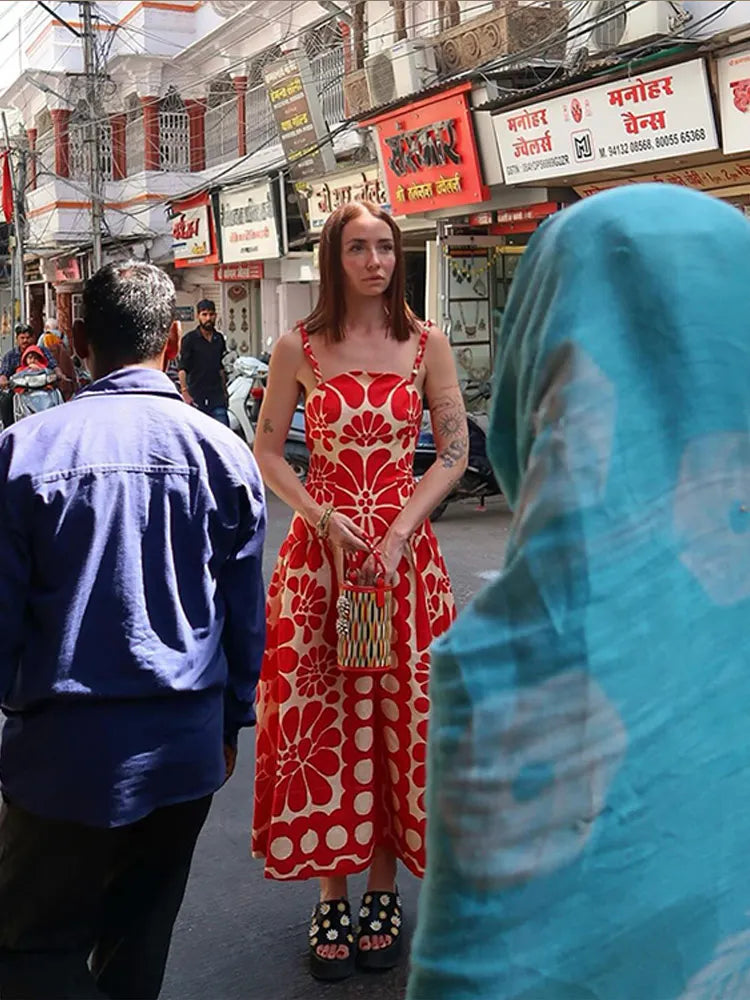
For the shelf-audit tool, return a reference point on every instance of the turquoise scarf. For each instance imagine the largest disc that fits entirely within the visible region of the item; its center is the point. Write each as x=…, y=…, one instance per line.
x=589, y=769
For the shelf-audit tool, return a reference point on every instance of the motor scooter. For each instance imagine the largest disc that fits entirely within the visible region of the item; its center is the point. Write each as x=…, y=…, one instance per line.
x=34, y=392
x=247, y=374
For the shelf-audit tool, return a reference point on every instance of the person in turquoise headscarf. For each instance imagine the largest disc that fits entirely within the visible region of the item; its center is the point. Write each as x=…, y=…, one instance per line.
x=589, y=768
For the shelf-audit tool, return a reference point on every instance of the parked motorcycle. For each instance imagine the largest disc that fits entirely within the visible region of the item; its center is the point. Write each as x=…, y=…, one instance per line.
x=247, y=375
x=478, y=482
x=34, y=392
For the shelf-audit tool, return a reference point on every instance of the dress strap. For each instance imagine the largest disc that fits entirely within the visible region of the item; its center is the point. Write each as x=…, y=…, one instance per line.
x=307, y=348
x=420, y=350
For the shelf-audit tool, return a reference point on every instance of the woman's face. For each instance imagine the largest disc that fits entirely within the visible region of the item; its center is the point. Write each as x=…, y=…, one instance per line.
x=368, y=255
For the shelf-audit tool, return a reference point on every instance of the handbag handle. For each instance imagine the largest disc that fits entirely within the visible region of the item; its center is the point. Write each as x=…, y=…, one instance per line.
x=358, y=558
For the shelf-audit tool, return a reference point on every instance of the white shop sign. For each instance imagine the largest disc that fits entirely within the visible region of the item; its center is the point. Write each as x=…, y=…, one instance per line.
x=651, y=116
x=247, y=222
x=191, y=238
x=734, y=100
x=325, y=196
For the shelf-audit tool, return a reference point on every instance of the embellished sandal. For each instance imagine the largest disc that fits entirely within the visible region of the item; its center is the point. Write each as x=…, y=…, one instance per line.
x=379, y=914
x=332, y=925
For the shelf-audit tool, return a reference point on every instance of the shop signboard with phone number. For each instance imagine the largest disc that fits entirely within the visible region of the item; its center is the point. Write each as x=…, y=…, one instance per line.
x=648, y=116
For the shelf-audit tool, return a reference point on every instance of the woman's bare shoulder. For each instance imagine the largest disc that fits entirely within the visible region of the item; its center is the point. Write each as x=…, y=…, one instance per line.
x=288, y=348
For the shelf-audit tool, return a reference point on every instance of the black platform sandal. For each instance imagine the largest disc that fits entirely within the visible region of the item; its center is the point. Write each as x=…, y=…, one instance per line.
x=332, y=925
x=380, y=914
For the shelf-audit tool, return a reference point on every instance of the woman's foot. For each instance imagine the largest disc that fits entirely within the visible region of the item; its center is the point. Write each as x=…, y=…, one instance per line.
x=332, y=940
x=379, y=937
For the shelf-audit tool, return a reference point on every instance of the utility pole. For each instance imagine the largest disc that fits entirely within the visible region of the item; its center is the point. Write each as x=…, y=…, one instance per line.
x=92, y=100
x=18, y=182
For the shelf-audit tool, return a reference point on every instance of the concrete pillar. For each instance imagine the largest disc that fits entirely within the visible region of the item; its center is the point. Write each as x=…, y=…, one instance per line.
x=151, y=155
x=118, y=124
x=31, y=134
x=196, y=110
x=60, y=120
x=240, y=89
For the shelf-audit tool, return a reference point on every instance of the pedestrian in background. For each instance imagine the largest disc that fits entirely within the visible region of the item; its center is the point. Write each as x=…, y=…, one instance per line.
x=203, y=380
x=340, y=757
x=12, y=361
x=589, y=771
x=53, y=341
x=131, y=615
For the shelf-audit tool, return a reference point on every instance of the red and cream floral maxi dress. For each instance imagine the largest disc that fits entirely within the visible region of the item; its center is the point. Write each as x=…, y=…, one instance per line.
x=340, y=765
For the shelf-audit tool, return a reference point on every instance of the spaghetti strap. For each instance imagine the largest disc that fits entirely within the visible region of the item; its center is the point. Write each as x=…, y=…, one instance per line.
x=420, y=350
x=307, y=348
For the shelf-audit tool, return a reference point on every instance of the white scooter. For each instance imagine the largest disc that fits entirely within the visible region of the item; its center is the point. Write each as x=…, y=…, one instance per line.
x=247, y=374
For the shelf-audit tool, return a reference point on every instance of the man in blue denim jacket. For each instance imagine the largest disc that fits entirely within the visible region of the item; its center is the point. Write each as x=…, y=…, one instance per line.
x=132, y=627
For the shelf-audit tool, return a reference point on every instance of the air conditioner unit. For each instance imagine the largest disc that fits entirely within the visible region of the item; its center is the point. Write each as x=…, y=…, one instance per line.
x=620, y=23
x=405, y=68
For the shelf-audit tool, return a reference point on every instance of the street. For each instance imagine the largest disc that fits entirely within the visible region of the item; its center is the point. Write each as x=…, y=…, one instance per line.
x=240, y=937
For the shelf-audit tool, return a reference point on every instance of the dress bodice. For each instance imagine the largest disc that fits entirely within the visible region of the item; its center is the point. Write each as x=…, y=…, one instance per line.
x=362, y=430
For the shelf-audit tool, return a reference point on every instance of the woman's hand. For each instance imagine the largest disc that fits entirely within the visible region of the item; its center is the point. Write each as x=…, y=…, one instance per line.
x=344, y=534
x=392, y=550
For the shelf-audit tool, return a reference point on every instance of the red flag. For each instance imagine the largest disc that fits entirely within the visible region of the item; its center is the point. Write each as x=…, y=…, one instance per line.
x=7, y=189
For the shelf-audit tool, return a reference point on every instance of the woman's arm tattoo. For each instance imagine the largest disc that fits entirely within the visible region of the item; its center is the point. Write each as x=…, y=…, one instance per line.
x=267, y=426
x=450, y=423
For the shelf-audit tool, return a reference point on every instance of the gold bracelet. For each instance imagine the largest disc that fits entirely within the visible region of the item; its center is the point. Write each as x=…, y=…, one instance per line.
x=322, y=527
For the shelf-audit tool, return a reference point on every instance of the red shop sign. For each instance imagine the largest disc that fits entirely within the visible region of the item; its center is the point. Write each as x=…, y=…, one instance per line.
x=429, y=154
x=524, y=219
x=246, y=270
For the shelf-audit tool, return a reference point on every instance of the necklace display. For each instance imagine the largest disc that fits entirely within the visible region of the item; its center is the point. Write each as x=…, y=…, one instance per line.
x=470, y=329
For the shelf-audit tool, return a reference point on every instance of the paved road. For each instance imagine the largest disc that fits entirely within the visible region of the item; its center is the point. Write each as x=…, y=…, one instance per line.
x=240, y=937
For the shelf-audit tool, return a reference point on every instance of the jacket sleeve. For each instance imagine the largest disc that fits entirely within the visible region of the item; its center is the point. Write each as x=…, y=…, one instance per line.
x=241, y=586
x=15, y=571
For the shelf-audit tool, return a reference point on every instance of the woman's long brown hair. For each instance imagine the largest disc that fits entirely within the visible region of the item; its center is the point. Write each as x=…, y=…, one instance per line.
x=330, y=312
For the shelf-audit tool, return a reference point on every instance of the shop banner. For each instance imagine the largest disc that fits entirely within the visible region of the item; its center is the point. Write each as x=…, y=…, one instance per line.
x=652, y=116
x=247, y=222
x=296, y=107
x=711, y=177
x=734, y=101
x=248, y=270
x=191, y=234
x=324, y=196
x=429, y=154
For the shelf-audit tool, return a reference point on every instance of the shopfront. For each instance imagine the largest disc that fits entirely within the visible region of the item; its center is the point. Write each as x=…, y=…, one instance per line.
x=195, y=254
x=480, y=254
x=250, y=270
x=431, y=167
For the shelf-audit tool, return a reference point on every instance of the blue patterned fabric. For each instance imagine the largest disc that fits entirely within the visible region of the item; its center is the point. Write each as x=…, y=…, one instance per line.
x=589, y=770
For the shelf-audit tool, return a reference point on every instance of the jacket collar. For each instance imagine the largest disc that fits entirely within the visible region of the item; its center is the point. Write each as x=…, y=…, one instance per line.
x=132, y=380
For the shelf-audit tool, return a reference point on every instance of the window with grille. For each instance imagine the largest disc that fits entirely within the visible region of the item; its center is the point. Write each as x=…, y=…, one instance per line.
x=78, y=139
x=325, y=50
x=222, y=142
x=174, y=133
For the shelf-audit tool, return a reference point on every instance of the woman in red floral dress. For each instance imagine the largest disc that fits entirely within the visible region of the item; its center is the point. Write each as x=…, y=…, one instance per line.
x=340, y=771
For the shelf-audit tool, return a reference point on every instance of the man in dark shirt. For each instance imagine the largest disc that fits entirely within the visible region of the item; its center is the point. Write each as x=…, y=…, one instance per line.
x=203, y=381
x=132, y=623
x=11, y=361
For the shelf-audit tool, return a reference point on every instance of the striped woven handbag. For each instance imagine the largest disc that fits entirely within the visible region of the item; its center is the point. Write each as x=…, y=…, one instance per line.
x=364, y=623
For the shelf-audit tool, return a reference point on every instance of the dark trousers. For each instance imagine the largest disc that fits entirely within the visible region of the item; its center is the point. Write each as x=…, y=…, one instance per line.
x=6, y=408
x=74, y=896
x=219, y=412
